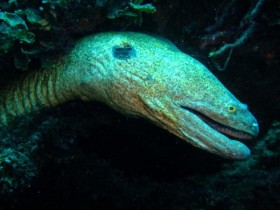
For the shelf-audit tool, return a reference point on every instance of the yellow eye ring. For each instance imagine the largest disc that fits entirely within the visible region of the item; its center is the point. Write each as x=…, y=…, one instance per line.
x=231, y=108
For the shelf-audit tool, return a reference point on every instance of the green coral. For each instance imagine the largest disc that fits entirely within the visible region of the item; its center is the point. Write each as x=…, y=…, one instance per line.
x=134, y=9
x=30, y=29
x=10, y=169
x=13, y=28
x=20, y=23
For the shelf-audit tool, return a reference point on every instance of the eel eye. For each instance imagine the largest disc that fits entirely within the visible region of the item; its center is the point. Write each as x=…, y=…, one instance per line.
x=231, y=108
x=124, y=51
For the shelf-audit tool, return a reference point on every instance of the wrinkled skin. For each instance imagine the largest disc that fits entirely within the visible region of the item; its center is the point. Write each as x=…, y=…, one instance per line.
x=140, y=75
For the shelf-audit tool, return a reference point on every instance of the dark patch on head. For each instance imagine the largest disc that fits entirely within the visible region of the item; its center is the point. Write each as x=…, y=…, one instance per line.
x=124, y=51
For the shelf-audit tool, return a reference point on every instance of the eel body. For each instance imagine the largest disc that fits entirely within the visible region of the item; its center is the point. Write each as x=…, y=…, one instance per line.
x=144, y=76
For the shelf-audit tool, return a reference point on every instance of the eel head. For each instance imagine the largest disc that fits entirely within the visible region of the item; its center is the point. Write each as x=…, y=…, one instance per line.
x=149, y=77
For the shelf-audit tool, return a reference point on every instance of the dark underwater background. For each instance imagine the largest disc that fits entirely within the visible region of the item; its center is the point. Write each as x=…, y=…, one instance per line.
x=87, y=156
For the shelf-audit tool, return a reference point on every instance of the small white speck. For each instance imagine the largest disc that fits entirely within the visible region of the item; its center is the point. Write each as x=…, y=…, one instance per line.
x=255, y=125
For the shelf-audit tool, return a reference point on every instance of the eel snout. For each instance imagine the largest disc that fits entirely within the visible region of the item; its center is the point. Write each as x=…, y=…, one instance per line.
x=209, y=134
x=225, y=129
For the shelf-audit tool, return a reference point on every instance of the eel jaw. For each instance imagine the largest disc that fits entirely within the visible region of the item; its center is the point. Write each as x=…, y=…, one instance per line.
x=229, y=131
x=205, y=133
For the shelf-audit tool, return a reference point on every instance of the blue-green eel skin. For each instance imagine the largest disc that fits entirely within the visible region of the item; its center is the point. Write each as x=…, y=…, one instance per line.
x=140, y=75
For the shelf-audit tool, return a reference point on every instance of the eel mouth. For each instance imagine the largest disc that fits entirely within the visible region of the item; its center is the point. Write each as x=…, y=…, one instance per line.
x=229, y=131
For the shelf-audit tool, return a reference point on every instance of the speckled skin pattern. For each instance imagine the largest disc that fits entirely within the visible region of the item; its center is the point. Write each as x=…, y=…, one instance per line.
x=151, y=78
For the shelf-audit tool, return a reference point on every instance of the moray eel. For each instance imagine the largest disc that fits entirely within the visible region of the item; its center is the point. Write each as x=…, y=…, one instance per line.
x=144, y=76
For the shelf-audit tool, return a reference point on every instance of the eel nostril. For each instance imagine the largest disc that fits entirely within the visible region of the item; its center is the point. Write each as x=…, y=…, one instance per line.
x=255, y=128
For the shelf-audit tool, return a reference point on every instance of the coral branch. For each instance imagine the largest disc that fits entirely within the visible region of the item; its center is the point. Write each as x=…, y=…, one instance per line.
x=249, y=22
x=238, y=42
x=220, y=19
x=251, y=15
